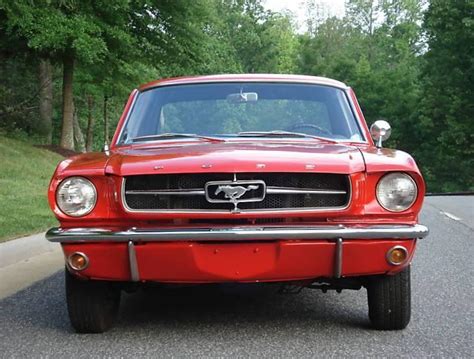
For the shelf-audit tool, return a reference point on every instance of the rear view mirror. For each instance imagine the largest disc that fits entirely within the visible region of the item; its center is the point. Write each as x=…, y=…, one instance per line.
x=242, y=97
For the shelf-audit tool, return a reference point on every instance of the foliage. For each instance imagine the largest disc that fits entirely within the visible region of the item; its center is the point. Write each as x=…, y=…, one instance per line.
x=408, y=61
x=17, y=93
x=426, y=95
x=446, y=125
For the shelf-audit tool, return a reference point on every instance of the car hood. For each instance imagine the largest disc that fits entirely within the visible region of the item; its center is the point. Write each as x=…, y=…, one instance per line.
x=236, y=157
x=383, y=159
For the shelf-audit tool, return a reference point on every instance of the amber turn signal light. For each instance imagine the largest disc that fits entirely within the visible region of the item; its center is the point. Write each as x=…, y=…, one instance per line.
x=397, y=255
x=78, y=261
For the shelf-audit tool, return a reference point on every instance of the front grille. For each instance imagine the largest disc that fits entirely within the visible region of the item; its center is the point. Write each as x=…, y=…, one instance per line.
x=283, y=191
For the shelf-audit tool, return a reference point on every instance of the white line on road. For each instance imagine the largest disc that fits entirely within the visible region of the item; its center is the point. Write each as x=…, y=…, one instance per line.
x=451, y=216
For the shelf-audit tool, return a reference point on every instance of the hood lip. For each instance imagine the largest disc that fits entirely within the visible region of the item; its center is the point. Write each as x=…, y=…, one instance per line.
x=268, y=156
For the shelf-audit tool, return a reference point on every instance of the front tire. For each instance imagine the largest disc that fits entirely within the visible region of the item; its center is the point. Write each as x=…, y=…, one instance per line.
x=389, y=299
x=92, y=305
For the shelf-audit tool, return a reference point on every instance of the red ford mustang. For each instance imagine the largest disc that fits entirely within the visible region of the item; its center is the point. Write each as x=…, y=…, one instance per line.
x=239, y=178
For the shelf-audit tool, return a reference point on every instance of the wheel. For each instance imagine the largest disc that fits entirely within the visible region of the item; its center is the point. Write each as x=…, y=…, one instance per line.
x=389, y=300
x=92, y=305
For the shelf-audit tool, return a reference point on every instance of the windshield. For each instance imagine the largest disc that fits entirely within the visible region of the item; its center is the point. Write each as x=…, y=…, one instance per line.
x=226, y=110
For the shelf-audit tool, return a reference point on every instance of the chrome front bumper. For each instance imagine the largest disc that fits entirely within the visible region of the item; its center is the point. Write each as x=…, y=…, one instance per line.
x=238, y=233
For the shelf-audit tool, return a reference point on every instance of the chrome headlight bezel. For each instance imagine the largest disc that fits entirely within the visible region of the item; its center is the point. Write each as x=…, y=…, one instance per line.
x=87, y=206
x=394, y=207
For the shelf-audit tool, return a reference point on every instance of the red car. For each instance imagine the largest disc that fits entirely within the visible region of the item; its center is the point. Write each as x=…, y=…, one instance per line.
x=239, y=178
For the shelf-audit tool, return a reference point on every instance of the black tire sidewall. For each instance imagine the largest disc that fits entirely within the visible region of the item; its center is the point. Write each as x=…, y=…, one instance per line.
x=389, y=300
x=92, y=305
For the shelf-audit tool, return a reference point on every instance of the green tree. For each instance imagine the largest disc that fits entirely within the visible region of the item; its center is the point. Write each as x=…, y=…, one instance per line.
x=446, y=128
x=68, y=31
x=379, y=59
x=115, y=43
x=262, y=41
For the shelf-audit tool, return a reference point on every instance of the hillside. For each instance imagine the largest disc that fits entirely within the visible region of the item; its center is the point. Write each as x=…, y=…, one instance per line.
x=25, y=172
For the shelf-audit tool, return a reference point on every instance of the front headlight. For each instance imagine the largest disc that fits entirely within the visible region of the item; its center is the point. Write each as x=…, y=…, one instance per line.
x=396, y=192
x=76, y=196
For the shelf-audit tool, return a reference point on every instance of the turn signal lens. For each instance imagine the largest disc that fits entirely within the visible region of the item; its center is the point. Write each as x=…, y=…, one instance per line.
x=397, y=255
x=78, y=261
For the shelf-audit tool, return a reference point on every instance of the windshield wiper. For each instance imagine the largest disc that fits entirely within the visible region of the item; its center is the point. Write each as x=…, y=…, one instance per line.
x=282, y=134
x=170, y=135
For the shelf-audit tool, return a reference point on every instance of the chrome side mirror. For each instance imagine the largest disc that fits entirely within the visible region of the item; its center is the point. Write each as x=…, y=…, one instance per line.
x=106, y=149
x=380, y=131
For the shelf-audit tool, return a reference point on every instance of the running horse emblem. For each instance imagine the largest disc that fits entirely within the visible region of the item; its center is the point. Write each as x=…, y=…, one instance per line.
x=233, y=193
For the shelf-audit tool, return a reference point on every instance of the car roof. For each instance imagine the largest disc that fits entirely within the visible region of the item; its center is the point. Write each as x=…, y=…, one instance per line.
x=244, y=78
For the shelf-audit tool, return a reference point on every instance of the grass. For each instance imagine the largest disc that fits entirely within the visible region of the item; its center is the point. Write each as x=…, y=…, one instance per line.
x=25, y=172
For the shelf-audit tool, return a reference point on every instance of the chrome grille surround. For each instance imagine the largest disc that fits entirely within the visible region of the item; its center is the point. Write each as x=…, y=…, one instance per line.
x=195, y=193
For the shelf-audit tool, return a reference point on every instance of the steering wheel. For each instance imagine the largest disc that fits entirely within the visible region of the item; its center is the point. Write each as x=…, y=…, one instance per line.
x=309, y=125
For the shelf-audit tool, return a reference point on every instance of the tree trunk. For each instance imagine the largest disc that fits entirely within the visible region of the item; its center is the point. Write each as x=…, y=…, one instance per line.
x=78, y=136
x=46, y=99
x=90, y=124
x=67, y=130
x=106, y=120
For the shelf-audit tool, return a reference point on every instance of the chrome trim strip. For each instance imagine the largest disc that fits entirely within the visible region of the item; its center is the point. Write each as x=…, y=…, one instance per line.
x=200, y=192
x=251, y=233
x=241, y=211
x=338, y=259
x=295, y=190
x=318, y=82
x=132, y=260
x=125, y=122
x=170, y=192
x=360, y=121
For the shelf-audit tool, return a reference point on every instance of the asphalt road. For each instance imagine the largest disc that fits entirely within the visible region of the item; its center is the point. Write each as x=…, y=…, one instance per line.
x=257, y=322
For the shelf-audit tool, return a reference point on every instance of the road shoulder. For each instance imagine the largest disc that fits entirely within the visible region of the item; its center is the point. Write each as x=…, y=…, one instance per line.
x=26, y=260
x=21, y=275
